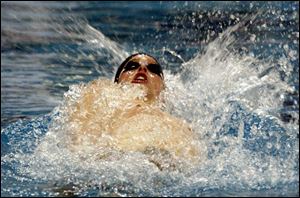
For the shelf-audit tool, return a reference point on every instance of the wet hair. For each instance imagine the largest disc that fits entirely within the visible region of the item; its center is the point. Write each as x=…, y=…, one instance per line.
x=126, y=61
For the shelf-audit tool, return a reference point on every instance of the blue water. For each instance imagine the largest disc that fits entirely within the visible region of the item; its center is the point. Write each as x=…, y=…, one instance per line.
x=231, y=68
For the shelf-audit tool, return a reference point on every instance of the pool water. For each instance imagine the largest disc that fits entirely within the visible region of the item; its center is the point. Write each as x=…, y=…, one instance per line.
x=231, y=70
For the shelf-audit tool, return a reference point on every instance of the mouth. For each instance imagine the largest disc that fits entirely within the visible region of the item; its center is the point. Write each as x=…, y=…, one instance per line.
x=140, y=78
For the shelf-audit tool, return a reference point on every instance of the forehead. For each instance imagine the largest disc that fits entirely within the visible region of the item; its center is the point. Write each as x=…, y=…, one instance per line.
x=143, y=59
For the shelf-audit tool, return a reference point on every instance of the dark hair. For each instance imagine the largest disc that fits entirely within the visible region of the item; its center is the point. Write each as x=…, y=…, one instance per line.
x=125, y=62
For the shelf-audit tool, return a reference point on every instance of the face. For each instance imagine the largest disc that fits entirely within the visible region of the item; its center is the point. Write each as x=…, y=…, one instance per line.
x=144, y=70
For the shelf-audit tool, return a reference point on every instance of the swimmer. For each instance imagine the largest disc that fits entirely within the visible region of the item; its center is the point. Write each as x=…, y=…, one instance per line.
x=124, y=115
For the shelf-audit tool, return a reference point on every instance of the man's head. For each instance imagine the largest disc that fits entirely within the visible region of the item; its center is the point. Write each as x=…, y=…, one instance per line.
x=142, y=69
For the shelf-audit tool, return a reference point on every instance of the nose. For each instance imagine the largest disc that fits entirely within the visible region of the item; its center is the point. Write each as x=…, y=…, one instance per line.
x=142, y=69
